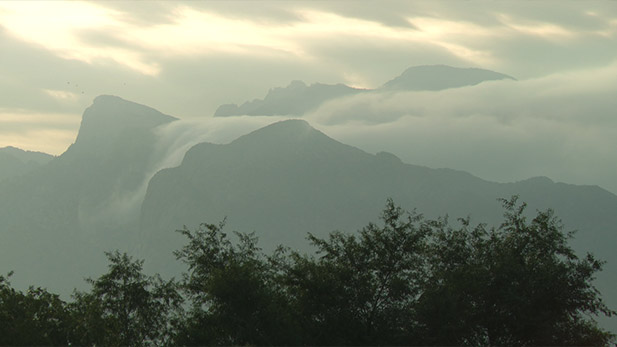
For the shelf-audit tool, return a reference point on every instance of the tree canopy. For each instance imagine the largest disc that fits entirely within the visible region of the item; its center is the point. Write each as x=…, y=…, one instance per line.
x=407, y=280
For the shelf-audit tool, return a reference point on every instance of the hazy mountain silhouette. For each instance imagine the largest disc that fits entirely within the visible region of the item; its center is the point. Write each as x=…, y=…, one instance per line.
x=281, y=181
x=440, y=77
x=72, y=209
x=16, y=162
x=298, y=98
x=288, y=179
x=295, y=99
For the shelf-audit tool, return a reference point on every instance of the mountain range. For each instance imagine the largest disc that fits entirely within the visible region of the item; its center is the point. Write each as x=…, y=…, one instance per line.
x=108, y=191
x=17, y=162
x=297, y=98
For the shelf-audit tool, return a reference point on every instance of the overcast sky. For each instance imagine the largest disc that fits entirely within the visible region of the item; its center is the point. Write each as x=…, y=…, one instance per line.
x=187, y=58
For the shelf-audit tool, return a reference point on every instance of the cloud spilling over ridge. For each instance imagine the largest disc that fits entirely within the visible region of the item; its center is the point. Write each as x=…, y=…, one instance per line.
x=188, y=57
x=562, y=126
x=178, y=137
x=174, y=140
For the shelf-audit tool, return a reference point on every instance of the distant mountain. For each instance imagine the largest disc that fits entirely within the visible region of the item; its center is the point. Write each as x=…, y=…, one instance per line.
x=281, y=181
x=111, y=117
x=295, y=99
x=288, y=179
x=16, y=162
x=298, y=98
x=440, y=77
x=80, y=204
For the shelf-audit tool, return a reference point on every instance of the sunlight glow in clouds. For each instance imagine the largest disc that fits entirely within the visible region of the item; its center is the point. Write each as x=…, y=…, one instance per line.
x=219, y=48
x=544, y=30
x=196, y=32
x=57, y=26
x=45, y=132
x=60, y=26
x=62, y=95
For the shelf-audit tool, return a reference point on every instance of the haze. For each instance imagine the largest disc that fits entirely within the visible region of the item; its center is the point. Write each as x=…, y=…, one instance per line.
x=122, y=121
x=187, y=58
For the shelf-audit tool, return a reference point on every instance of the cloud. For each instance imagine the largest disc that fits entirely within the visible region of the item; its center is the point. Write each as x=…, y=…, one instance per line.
x=44, y=132
x=173, y=141
x=55, y=26
x=479, y=36
x=186, y=58
x=561, y=126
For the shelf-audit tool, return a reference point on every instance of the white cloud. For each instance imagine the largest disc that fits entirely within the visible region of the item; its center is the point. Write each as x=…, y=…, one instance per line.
x=62, y=95
x=186, y=58
x=561, y=126
x=56, y=25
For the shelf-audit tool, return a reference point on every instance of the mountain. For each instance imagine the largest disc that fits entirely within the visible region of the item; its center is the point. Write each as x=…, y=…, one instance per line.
x=288, y=179
x=298, y=98
x=295, y=99
x=440, y=77
x=17, y=162
x=83, y=202
x=281, y=181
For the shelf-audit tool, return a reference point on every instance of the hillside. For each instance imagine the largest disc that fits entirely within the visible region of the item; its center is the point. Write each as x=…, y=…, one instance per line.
x=16, y=162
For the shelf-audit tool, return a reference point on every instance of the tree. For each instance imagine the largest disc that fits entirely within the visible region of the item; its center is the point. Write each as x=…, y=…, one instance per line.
x=125, y=307
x=362, y=288
x=518, y=284
x=407, y=281
x=236, y=299
x=35, y=317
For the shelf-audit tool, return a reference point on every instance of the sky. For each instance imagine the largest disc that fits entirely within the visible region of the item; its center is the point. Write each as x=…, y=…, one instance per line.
x=185, y=58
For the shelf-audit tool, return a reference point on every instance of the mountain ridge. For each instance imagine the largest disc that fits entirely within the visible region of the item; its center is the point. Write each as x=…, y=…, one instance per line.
x=440, y=77
x=281, y=181
x=297, y=98
x=15, y=162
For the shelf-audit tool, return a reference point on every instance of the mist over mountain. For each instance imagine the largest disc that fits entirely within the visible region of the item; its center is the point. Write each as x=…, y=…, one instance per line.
x=298, y=98
x=288, y=179
x=440, y=77
x=16, y=162
x=122, y=186
x=66, y=213
x=295, y=99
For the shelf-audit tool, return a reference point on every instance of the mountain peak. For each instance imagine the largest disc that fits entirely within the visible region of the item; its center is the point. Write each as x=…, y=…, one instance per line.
x=283, y=132
x=119, y=109
x=110, y=116
x=438, y=77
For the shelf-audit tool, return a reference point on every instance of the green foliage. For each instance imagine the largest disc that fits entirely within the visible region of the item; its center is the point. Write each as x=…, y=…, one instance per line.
x=36, y=317
x=405, y=281
x=125, y=307
x=236, y=298
x=362, y=288
x=519, y=284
